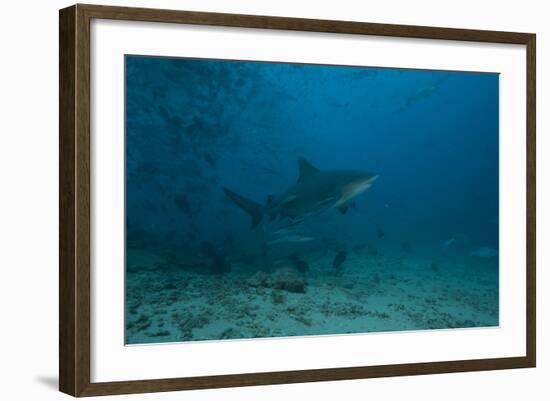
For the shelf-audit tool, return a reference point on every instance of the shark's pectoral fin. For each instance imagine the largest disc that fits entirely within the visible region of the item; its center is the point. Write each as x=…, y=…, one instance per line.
x=287, y=200
x=343, y=209
x=295, y=221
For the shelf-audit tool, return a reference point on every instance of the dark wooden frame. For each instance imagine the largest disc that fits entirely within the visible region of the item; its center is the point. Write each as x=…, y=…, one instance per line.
x=74, y=200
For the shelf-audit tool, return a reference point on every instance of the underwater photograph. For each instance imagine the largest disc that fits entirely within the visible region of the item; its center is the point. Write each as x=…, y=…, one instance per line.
x=270, y=199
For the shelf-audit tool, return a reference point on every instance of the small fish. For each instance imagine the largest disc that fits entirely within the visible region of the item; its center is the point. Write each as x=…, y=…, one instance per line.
x=380, y=233
x=218, y=262
x=425, y=92
x=182, y=203
x=209, y=159
x=359, y=247
x=208, y=248
x=194, y=228
x=282, y=231
x=298, y=262
x=449, y=243
x=158, y=93
x=372, y=251
x=339, y=259
x=290, y=238
x=484, y=252
x=229, y=241
x=456, y=241
x=294, y=222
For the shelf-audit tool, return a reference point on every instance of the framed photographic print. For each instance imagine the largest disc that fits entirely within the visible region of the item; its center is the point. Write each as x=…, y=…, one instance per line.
x=250, y=200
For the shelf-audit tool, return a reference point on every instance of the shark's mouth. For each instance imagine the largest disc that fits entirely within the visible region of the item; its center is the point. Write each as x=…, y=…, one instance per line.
x=355, y=189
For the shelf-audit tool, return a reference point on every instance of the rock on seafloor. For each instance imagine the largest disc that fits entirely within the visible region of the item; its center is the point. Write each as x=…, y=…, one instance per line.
x=285, y=278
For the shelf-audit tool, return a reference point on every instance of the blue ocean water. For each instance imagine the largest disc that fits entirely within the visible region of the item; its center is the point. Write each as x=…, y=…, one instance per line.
x=212, y=145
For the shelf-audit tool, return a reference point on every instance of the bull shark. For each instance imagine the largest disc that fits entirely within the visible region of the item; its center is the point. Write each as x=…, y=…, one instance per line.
x=314, y=191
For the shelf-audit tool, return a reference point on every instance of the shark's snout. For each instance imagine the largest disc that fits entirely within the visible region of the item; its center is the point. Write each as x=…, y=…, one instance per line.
x=356, y=187
x=364, y=182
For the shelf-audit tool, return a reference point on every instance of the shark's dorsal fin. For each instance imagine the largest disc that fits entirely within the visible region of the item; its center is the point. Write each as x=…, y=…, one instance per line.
x=305, y=169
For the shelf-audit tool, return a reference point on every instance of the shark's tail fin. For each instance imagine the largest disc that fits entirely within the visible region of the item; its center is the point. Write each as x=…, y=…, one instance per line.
x=255, y=210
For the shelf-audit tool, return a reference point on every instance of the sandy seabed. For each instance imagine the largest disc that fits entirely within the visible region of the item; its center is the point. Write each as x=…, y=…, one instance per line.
x=165, y=303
